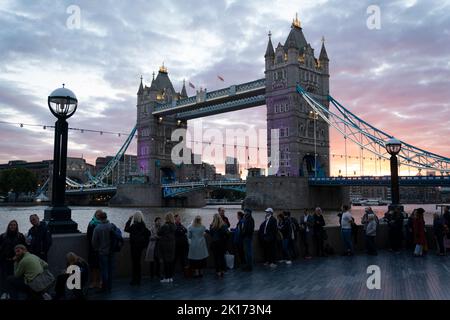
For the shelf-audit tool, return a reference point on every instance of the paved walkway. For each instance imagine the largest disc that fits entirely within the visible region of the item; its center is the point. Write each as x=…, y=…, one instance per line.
x=402, y=277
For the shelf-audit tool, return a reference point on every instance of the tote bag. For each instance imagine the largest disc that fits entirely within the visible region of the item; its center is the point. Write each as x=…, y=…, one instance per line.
x=229, y=259
x=42, y=282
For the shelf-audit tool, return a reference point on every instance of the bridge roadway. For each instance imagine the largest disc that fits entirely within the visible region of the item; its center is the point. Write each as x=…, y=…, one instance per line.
x=436, y=181
x=232, y=98
x=177, y=188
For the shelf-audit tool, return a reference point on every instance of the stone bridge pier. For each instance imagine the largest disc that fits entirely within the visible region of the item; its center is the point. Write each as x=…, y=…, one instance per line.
x=292, y=193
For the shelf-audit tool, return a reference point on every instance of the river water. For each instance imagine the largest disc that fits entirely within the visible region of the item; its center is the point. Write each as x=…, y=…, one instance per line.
x=119, y=216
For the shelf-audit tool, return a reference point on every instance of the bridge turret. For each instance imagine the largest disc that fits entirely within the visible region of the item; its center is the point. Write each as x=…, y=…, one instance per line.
x=323, y=57
x=324, y=66
x=270, y=53
x=294, y=63
x=183, y=93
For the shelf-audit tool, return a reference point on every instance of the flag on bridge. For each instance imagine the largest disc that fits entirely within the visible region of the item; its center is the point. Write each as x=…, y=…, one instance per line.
x=191, y=85
x=220, y=78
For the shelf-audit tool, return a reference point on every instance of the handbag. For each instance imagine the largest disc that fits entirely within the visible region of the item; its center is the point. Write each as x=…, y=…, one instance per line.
x=42, y=282
x=229, y=259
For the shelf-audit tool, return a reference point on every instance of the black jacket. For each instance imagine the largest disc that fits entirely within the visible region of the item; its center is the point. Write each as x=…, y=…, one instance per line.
x=7, y=243
x=41, y=239
x=139, y=234
x=319, y=223
x=270, y=233
x=285, y=228
x=181, y=236
x=220, y=234
x=249, y=226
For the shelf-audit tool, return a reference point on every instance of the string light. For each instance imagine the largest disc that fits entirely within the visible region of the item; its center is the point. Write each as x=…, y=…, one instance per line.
x=120, y=134
x=81, y=130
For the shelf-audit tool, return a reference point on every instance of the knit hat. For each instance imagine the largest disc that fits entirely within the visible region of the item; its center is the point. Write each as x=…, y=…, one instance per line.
x=20, y=246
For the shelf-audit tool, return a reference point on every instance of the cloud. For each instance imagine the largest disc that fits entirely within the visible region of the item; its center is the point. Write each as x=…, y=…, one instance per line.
x=396, y=78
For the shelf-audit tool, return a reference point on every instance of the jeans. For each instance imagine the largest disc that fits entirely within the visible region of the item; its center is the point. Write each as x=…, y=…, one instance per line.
x=181, y=254
x=169, y=267
x=285, y=246
x=15, y=286
x=136, y=254
x=370, y=245
x=306, y=237
x=440, y=243
x=293, y=248
x=318, y=241
x=6, y=270
x=347, y=237
x=248, y=250
x=218, y=250
x=238, y=249
x=269, y=251
x=106, y=269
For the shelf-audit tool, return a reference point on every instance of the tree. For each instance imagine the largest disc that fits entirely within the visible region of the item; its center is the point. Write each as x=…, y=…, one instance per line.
x=17, y=180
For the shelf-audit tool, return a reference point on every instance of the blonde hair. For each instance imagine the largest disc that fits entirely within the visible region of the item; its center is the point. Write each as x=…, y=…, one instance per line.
x=217, y=222
x=138, y=217
x=169, y=218
x=197, y=221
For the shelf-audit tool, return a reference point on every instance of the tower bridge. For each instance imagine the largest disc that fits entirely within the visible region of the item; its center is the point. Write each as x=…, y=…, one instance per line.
x=295, y=91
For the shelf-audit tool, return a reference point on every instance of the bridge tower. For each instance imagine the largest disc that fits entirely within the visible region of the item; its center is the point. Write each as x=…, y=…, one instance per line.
x=154, y=144
x=288, y=65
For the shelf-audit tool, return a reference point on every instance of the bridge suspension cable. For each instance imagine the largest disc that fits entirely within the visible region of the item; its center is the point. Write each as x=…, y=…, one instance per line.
x=350, y=126
x=95, y=181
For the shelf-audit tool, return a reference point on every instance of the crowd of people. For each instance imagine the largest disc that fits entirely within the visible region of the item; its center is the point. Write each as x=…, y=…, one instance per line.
x=168, y=245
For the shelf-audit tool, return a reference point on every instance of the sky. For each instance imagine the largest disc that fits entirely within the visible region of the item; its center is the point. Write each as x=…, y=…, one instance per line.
x=395, y=77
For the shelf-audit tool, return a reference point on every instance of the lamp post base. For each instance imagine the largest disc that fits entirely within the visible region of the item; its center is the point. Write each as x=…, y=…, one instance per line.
x=394, y=206
x=59, y=220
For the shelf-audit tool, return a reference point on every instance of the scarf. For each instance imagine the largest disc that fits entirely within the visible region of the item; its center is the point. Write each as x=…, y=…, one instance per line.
x=95, y=221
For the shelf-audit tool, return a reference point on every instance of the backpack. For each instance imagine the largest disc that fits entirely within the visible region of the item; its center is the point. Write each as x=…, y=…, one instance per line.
x=116, y=239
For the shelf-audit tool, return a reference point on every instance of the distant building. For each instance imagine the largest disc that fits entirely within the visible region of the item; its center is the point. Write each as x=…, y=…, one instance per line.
x=126, y=167
x=76, y=168
x=417, y=194
x=40, y=168
x=197, y=170
x=232, y=168
x=255, y=172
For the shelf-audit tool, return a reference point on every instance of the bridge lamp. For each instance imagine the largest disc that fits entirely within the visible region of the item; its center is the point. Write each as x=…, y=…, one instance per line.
x=62, y=103
x=393, y=147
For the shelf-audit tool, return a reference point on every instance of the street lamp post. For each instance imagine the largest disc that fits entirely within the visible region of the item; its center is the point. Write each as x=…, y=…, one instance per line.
x=313, y=115
x=62, y=103
x=393, y=147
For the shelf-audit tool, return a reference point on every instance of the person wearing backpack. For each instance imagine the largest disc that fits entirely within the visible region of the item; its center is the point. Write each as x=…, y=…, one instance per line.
x=139, y=239
x=106, y=241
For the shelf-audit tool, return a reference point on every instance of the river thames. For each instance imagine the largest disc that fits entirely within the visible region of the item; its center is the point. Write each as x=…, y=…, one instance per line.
x=119, y=216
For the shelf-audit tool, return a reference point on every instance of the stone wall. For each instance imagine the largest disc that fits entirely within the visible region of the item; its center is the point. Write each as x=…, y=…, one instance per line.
x=292, y=193
x=78, y=244
x=150, y=195
x=137, y=195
